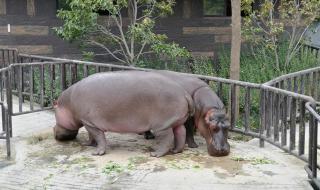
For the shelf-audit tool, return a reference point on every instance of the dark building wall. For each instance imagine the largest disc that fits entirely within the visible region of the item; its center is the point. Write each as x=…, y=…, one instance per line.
x=16, y=7
x=34, y=34
x=46, y=8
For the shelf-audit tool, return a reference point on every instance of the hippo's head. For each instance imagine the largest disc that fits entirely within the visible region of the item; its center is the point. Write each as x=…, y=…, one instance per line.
x=63, y=134
x=214, y=128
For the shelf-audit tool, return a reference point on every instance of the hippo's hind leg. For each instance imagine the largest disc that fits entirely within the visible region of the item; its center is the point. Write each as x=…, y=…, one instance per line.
x=164, y=140
x=190, y=133
x=179, y=138
x=90, y=142
x=99, y=138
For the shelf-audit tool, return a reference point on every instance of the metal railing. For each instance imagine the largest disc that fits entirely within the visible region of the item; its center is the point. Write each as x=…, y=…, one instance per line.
x=296, y=111
x=281, y=112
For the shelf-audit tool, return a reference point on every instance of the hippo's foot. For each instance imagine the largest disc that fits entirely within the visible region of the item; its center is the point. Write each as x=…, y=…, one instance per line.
x=98, y=136
x=191, y=143
x=148, y=135
x=99, y=151
x=164, y=140
x=179, y=139
x=158, y=154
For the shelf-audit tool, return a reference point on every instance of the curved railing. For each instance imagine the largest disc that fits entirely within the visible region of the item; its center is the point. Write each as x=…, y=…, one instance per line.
x=281, y=111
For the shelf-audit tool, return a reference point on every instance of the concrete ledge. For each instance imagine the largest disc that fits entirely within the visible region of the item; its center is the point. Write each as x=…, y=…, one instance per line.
x=32, y=49
x=206, y=30
x=25, y=30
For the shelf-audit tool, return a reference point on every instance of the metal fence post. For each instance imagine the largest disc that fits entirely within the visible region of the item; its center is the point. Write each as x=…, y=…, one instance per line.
x=262, y=117
x=9, y=99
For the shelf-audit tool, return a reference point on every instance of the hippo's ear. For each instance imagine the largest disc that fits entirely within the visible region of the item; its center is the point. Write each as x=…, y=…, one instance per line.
x=208, y=117
x=55, y=104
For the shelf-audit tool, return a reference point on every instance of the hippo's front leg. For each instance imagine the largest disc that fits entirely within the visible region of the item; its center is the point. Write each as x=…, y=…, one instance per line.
x=164, y=142
x=190, y=133
x=179, y=139
x=99, y=138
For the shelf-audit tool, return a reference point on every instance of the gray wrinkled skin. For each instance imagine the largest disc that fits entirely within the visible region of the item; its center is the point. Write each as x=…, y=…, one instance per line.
x=125, y=102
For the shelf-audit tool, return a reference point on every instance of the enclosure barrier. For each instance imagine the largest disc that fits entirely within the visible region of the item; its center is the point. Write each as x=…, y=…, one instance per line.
x=281, y=112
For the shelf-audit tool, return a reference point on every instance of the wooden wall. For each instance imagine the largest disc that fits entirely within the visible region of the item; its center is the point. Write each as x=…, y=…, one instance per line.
x=32, y=21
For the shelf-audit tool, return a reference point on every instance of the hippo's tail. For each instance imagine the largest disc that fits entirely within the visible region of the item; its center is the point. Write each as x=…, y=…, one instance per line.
x=191, y=106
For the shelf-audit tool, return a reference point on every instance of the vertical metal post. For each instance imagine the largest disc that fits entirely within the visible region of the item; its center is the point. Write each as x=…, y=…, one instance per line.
x=63, y=76
x=31, y=87
x=311, y=132
x=233, y=106
x=276, y=116
x=284, y=122
x=9, y=101
x=42, y=90
x=314, y=142
x=52, y=82
x=20, y=80
x=7, y=126
x=247, y=109
x=293, y=124
x=262, y=117
x=302, y=127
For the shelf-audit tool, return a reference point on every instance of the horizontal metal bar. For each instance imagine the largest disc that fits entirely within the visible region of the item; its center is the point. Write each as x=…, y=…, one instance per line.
x=312, y=111
x=291, y=75
x=33, y=111
x=217, y=79
x=288, y=93
x=36, y=63
x=250, y=133
x=7, y=48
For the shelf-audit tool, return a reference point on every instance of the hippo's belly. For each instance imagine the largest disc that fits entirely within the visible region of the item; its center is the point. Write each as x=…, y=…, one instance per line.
x=136, y=122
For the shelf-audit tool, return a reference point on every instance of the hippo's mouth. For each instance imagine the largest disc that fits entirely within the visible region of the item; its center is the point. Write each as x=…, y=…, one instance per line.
x=63, y=134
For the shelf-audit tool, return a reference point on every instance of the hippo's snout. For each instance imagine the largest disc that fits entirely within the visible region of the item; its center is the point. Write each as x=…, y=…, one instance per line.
x=63, y=134
x=217, y=150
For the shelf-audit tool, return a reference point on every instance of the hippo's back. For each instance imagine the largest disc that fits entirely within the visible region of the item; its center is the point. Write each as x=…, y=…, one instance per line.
x=190, y=84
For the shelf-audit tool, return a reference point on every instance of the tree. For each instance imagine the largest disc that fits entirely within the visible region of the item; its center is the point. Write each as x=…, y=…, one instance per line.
x=125, y=39
x=236, y=46
x=278, y=22
x=236, y=40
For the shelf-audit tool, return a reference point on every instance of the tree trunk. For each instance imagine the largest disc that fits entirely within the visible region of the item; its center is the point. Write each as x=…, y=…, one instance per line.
x=236, y=46
x=3, y=7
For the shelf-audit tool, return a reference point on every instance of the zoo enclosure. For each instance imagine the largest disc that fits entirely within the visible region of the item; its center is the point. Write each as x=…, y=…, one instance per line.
x=286, y=106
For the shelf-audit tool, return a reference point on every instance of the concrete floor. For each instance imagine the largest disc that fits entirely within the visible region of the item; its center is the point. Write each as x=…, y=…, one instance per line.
x=39, y=162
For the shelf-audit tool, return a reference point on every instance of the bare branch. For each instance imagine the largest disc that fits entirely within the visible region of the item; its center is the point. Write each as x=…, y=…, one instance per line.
x=141, y=49
x=123, y=38
x=107, y=49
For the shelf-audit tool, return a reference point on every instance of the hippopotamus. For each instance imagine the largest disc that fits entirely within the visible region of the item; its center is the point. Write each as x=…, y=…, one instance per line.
x=125, y=102
x=210, y=117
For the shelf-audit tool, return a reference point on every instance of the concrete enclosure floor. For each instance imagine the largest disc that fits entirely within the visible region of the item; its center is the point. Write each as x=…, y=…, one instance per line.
x=40, y=162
